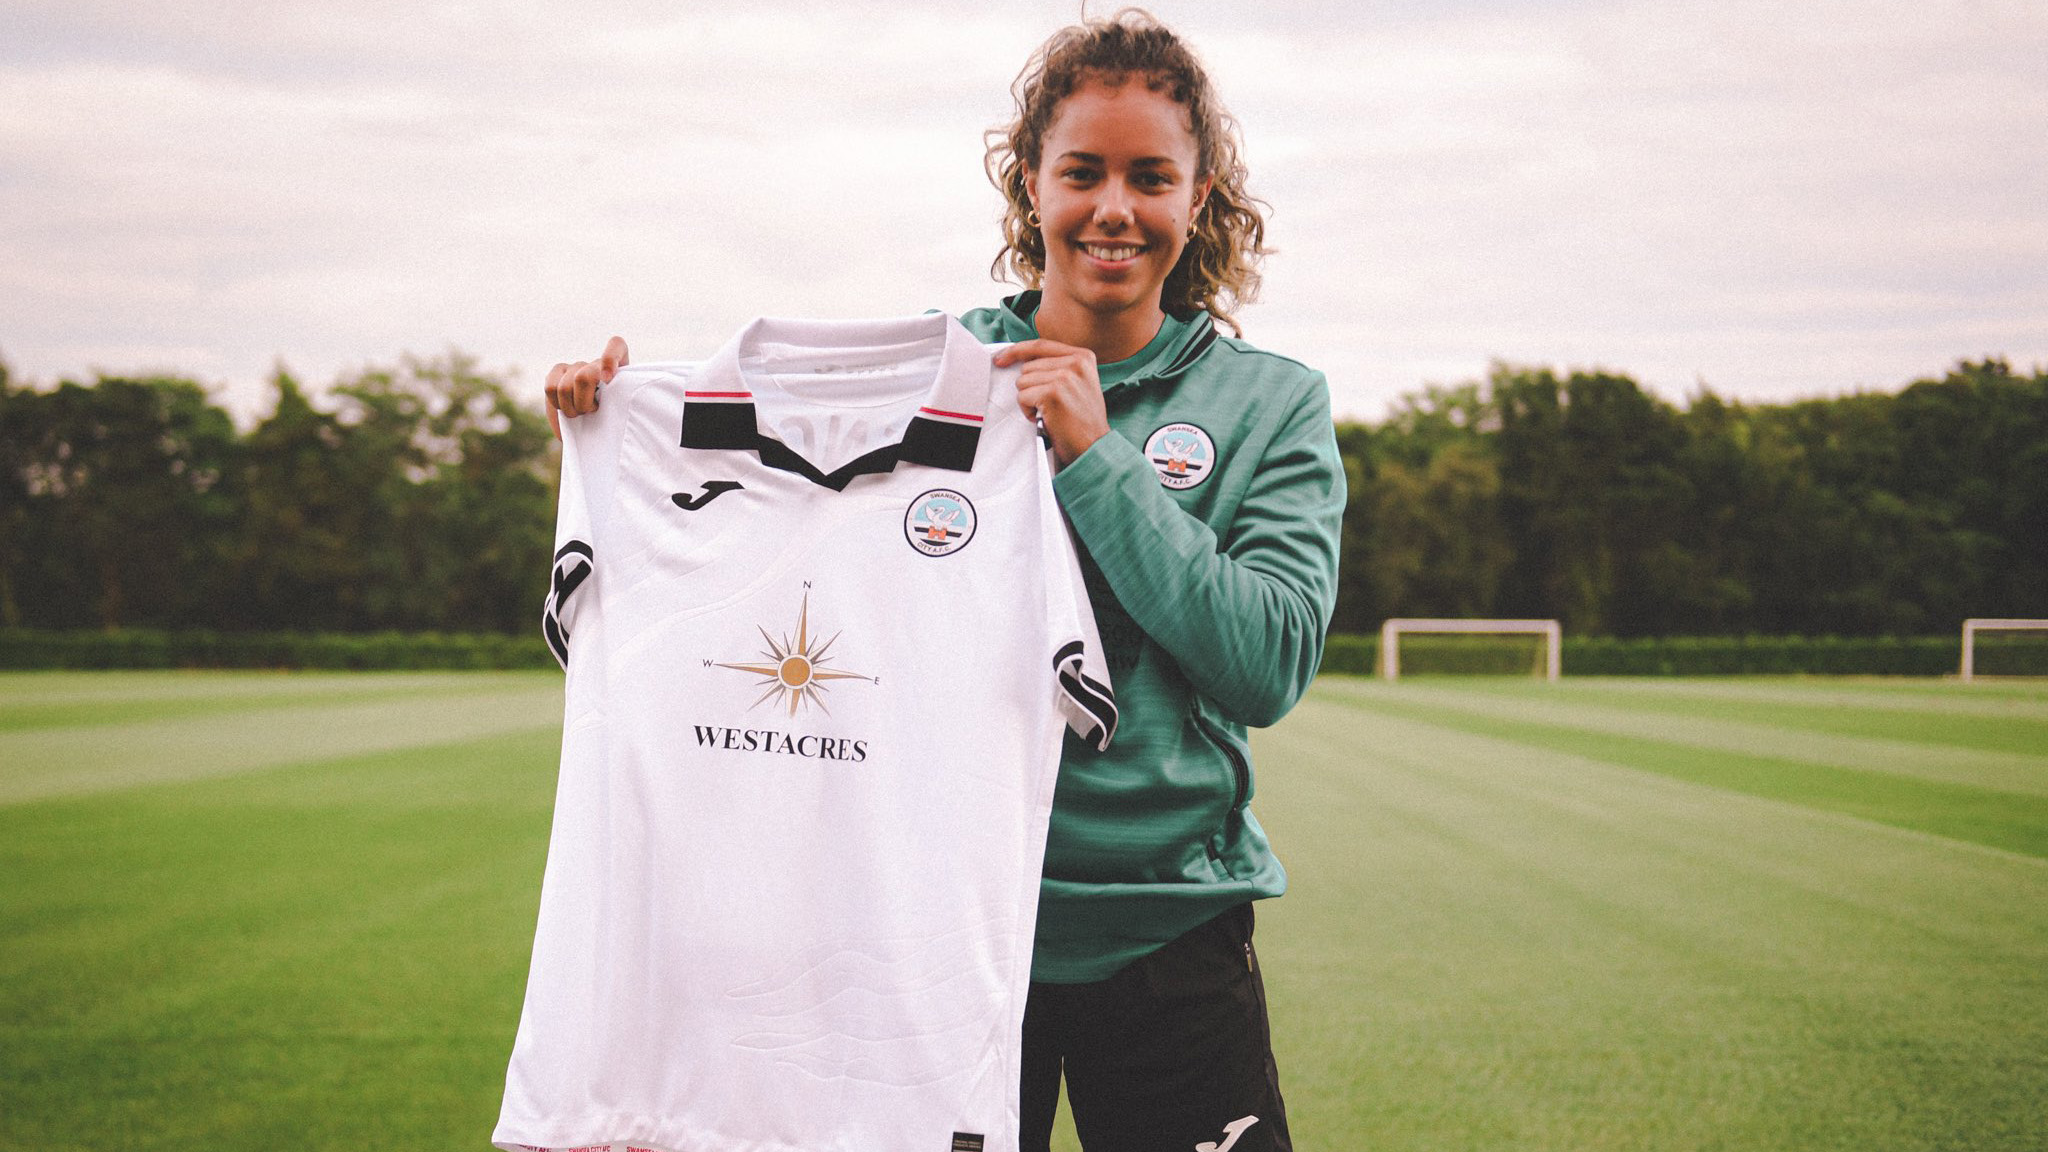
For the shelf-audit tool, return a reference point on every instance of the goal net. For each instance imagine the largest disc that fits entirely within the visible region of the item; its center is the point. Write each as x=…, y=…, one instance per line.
x=2004, y=648
x=1551, y=667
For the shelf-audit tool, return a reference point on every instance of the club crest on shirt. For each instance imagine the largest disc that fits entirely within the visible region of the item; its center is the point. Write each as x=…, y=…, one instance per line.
x=1182, y=454
x=939, y=522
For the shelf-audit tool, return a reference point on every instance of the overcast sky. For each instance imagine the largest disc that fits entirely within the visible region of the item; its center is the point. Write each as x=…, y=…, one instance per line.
x=1773, y=199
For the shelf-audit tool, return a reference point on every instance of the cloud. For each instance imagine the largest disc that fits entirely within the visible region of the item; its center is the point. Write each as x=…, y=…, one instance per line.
x=1777, y=199
x=1669, y=191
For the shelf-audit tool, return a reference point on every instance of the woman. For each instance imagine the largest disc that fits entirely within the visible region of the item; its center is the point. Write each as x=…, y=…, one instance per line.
x=1202, y=479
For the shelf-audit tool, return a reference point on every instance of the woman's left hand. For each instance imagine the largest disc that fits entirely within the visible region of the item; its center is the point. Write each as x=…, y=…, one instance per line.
x=1059, y=388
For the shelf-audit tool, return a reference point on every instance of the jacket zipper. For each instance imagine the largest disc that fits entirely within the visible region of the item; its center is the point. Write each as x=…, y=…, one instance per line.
x=1239, y=769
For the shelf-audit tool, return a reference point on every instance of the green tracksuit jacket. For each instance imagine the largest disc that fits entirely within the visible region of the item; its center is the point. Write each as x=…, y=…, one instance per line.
x=1208, y=520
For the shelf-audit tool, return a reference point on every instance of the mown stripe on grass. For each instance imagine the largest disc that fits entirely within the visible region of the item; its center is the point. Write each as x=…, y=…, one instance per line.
x=71, y=761
x=1493, y=944
x=323, y=956
x=138, y=684
x=27, y=706
x=1999, y=727
x=1584, y=706
x=2014, y=821
x=2026, y=700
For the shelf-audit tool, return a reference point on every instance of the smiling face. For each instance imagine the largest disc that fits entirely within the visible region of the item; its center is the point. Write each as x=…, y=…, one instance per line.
x=1116, y=187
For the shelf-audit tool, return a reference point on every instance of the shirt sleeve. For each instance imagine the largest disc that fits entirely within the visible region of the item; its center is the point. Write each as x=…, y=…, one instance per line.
x=1080, y=673
x=1243, y=616
x=590, y=449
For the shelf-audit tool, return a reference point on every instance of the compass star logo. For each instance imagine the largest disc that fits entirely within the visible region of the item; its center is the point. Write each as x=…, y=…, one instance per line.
x=794, y=671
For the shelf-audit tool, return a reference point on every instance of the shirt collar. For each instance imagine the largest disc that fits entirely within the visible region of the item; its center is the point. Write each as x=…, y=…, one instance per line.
x=719, y=412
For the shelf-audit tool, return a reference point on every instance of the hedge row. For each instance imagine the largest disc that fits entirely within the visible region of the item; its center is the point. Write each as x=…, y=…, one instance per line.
x=2018, y=655
x=2025, y=655
x=375, y=651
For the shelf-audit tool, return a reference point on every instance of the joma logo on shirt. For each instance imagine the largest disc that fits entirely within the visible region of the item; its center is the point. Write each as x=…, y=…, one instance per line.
x=765, y=740
x=712, y=490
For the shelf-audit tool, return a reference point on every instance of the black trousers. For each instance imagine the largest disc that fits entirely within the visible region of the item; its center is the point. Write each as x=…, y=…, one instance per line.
x=1171, y=1054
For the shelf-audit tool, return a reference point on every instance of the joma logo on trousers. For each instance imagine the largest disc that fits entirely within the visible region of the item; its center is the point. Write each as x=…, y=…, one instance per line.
x=1231, y=1132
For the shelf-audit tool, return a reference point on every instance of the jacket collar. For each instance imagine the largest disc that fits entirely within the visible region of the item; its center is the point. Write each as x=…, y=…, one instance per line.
x=1189, y=338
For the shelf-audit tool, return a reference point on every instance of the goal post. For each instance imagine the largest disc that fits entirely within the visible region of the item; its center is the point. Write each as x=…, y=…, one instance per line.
x=1975, y=625
x=1553, y=635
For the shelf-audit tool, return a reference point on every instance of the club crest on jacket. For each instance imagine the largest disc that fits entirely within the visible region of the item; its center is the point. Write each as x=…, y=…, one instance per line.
x=1182, y=454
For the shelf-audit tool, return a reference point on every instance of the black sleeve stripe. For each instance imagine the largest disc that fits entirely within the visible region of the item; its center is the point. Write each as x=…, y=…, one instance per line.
x=1090, y=696
x=558, y=641
x=572, y=567
x=568, y=579
x=1094, y=698
x=1095, y=701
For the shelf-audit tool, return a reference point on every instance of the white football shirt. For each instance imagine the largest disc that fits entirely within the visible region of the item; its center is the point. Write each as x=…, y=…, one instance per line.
x=824, y=632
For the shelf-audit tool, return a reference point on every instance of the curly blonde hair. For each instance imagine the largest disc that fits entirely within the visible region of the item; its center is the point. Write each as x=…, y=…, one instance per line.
x=1219, y=268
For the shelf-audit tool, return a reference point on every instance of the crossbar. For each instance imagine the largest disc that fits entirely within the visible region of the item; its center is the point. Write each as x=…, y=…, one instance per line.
x=1390, y=657
x=1988, y=624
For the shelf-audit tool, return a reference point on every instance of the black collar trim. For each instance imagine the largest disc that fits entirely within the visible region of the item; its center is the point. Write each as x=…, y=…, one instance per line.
x=727, y=425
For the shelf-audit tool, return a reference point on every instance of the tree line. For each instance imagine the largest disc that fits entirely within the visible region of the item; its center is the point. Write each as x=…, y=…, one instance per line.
x=421, y=497
x=1583, y=498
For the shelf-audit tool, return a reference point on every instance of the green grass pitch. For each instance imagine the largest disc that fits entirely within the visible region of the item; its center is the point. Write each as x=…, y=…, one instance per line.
x=260, y=911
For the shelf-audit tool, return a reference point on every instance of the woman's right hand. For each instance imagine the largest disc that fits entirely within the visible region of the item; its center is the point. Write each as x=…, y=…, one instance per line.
x=572, y=388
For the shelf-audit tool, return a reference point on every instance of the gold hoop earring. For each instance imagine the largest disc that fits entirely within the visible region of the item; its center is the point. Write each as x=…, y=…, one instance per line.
x=1031, y=218
x=1193, y=228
